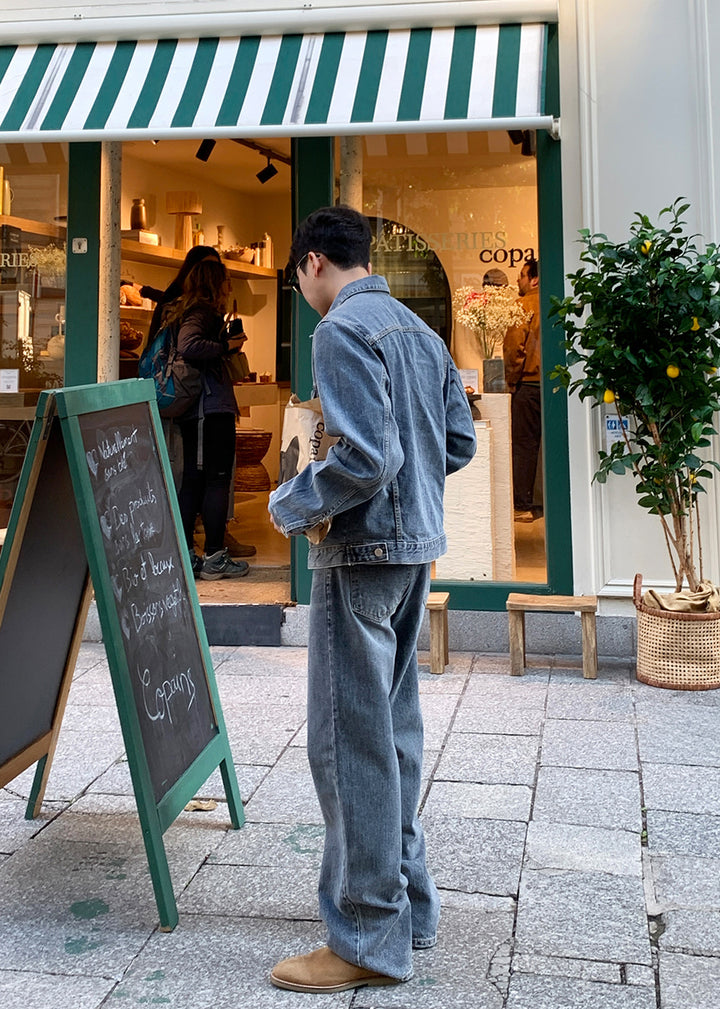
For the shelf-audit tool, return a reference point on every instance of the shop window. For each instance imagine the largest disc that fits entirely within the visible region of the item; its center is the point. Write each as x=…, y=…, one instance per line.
x=457, y=218
x=33, y=194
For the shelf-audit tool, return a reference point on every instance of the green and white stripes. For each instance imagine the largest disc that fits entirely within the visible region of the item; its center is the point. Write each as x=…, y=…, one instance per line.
x=376, y=81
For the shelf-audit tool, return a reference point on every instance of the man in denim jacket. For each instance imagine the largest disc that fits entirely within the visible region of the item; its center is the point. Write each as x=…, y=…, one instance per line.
x=392, y=395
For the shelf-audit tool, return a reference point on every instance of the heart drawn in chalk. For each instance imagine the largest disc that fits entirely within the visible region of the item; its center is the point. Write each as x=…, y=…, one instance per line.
x=92, y=462
x=125, y=624
x=117, y=587
x=106, y=527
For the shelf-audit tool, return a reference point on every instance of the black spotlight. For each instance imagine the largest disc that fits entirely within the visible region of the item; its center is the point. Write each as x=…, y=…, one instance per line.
x=267, y=173
x=205, y=150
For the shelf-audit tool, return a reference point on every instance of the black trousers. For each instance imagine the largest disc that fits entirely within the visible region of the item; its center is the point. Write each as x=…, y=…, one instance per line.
x=526, y=434
x=206, y=491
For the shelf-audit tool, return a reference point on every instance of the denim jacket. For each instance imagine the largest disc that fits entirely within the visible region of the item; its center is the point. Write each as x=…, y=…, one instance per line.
x=392, y=394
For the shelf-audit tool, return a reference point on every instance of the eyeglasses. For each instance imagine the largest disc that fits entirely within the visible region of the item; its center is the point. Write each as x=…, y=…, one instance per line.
x=294, y=282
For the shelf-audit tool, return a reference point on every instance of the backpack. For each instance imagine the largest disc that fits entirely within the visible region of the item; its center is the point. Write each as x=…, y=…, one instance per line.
x=178, y=384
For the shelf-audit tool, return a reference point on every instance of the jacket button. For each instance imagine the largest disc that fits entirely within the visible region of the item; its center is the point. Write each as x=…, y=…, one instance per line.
x=378, y=551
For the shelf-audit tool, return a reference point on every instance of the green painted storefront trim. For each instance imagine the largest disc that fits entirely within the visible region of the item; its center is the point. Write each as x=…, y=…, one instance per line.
x=558, y=524
x=313, y=176
x=82, y=285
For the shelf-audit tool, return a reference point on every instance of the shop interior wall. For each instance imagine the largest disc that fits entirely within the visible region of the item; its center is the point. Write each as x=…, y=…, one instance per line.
x=246, y=216
x=634, y=146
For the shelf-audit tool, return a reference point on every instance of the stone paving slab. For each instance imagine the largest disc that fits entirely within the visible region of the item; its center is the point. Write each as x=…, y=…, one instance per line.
x=287, y=794
x=491, y=802
x=220, y=963
x=497, y=851
x=80, y=757
x=559, y=966
x=609, y=799
x=585, y=915
x=256, y=661
x=528, y=992
x=257, y=891
x=297, y=845
x=75, y=908
x=577, y=743
x=498, y=716
x=689, y=982
x=461, y=972
x=679, y=734
x=490, y=758
x=259, y=733
x=685, y=881
x=683, y=833
x=608, y=702
x=582, y=848
x=681, y=789
x=239, y=691
x=24, y=990
x=694, y=932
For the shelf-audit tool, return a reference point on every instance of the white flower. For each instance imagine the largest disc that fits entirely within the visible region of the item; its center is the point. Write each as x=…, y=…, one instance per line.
x=488, y=313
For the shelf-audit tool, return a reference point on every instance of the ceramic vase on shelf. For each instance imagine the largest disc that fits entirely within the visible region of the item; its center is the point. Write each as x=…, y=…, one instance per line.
x=138, y=215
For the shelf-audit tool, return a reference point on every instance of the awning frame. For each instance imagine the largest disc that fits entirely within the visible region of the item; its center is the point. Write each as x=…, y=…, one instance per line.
x=549, y=123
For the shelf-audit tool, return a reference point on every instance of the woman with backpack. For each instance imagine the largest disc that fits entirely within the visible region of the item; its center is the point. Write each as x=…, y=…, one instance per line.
x=208, y=427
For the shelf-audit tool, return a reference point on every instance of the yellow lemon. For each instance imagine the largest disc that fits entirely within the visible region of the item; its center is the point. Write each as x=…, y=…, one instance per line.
x=609, y=396
x=672, y=371
x=693, y=478
x=712, y=370
x=646, y=246
x=696, y=325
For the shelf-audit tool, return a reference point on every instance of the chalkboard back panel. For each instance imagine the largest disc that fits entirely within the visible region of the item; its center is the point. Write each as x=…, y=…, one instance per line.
x=45, y=593
x=144, y=576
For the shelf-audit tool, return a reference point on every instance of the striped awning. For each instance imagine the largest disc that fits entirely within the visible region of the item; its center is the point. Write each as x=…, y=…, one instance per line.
x=428, y=79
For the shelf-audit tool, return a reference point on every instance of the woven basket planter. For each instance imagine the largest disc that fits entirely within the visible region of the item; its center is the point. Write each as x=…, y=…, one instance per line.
x=679, y=651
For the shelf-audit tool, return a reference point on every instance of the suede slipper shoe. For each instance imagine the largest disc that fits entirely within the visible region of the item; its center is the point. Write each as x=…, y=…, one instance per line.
x=324, y=971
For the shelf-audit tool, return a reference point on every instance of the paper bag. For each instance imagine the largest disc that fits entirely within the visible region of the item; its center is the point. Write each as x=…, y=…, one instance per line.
x=304, y=439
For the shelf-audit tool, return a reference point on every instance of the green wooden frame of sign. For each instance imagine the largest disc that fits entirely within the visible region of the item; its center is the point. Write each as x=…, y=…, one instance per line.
x=167, y=777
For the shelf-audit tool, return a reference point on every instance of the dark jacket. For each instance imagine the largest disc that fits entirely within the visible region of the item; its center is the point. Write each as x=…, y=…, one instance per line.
x=201, y=341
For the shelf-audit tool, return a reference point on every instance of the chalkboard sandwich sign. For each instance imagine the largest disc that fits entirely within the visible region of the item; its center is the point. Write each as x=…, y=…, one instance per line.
x=119, y=493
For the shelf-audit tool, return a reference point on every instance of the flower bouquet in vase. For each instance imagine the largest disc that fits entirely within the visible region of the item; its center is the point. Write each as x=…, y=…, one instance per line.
x=488, y=313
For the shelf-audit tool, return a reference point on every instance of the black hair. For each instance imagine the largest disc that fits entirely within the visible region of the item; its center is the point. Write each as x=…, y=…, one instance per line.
x=193, y=257
x=532, y=268
x=340, y=233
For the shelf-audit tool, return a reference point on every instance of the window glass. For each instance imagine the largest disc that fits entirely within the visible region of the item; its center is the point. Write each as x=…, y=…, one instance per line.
x=33, y=215
x=455, y=221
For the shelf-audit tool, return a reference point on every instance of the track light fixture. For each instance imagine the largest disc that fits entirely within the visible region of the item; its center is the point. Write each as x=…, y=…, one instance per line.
x=205, y=150
x=266, y=173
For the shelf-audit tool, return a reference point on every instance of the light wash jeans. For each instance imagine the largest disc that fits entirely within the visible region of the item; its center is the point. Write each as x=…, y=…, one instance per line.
x=365, y=742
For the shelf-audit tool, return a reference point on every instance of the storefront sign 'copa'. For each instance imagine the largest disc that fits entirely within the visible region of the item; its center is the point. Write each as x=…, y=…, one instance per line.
x=492, y=246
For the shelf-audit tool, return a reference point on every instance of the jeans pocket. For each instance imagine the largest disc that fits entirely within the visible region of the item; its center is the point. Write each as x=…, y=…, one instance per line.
x=376, y=591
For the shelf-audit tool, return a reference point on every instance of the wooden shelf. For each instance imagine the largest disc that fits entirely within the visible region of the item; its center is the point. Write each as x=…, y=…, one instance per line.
x=160, y=255
x=134, y=311
x=34, y=227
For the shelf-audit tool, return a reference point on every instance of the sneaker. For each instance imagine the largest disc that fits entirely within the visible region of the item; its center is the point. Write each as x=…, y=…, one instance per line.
x=196, y=562
x=237, y=549
x=221, y=565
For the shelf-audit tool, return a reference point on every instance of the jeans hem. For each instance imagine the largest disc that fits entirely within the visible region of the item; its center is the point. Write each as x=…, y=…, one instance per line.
x=424, y=943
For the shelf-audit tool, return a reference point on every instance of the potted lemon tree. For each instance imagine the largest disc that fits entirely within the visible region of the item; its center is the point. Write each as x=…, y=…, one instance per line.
x=642, y=333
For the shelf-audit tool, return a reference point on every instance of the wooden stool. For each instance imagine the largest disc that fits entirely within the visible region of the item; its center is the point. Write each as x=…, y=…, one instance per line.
x=518, y=605
x=437, y=605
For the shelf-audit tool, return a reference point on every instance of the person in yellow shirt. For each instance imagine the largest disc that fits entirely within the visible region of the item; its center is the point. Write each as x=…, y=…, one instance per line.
x=521, y=352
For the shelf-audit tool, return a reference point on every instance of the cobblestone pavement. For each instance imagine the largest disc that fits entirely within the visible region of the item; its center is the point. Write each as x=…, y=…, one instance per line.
x=573, y=827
